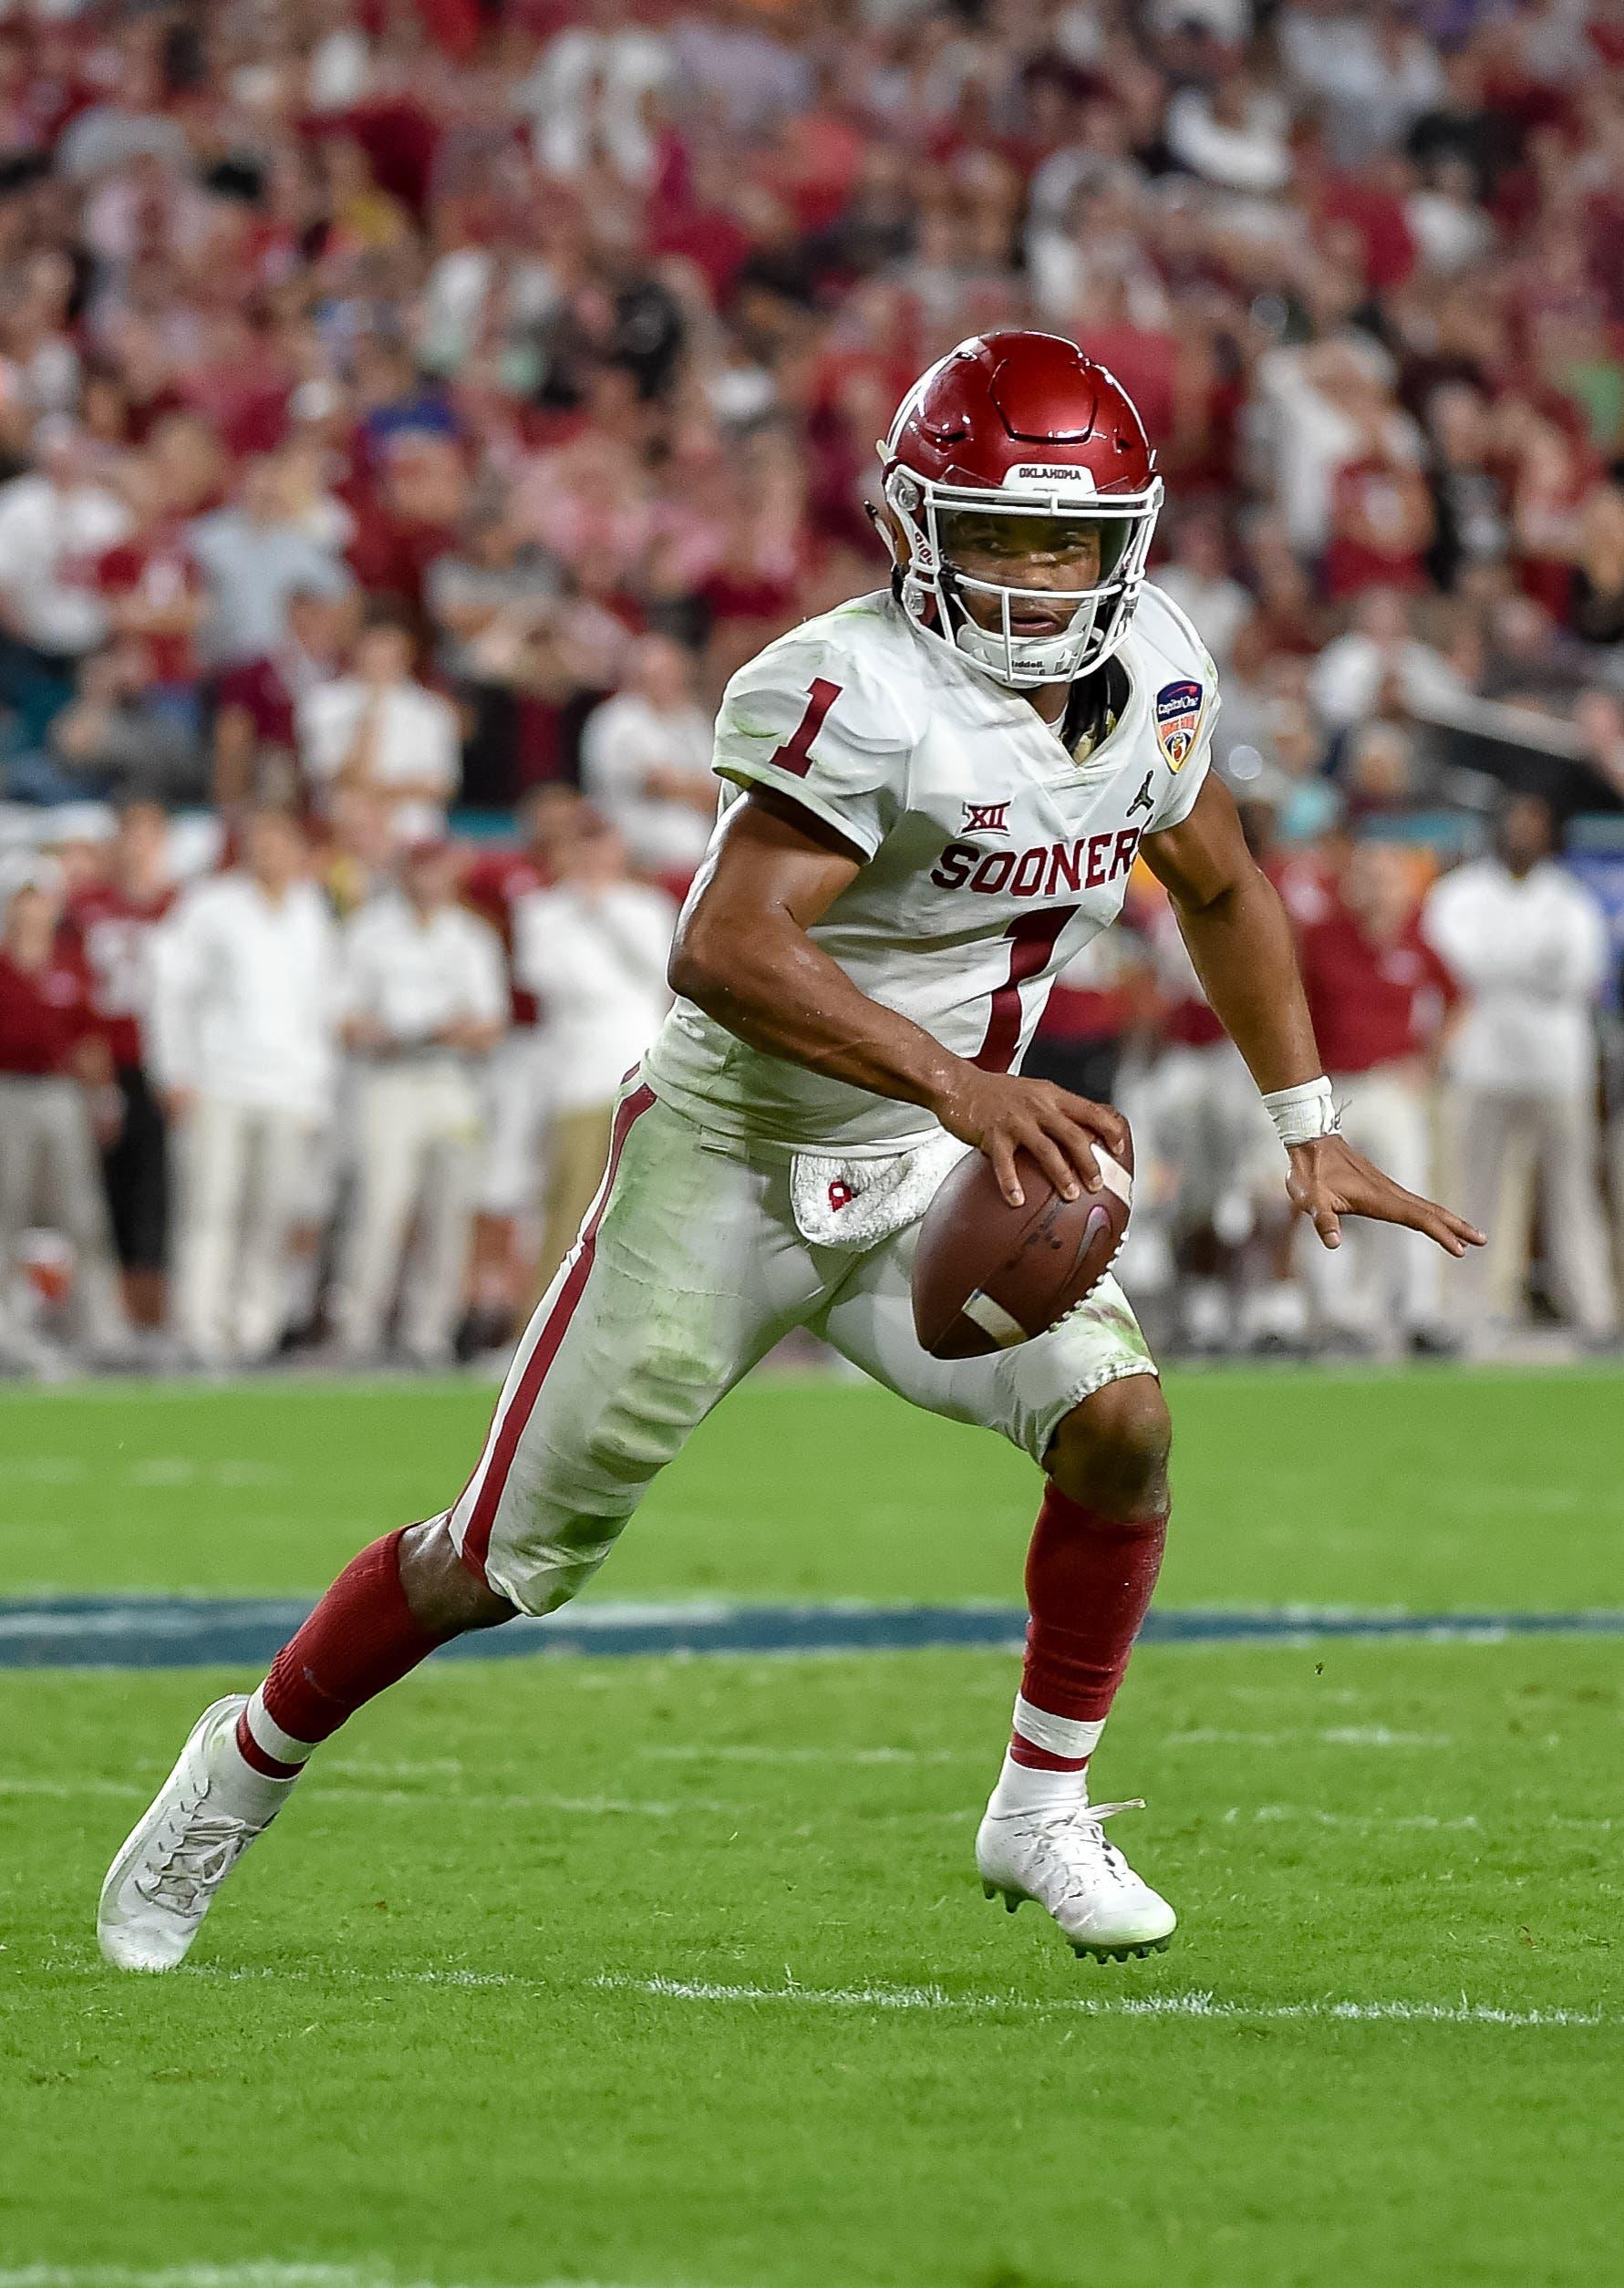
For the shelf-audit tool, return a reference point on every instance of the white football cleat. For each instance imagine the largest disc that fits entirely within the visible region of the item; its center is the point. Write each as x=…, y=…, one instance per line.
x=1062, y=1860
x=186, y=1843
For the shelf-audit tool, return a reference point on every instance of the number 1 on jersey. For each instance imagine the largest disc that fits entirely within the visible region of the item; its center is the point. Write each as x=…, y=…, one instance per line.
x=1033, y=940
x=795, y=755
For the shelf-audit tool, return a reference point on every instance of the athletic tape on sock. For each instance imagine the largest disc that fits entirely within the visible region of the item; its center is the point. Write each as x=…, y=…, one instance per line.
x=269, y=1736
x=1070, y=1736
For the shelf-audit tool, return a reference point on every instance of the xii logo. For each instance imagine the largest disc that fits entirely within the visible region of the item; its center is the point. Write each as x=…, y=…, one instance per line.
x=986, y=818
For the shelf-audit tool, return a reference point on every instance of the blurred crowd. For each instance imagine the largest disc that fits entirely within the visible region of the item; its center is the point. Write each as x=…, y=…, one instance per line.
x=1460, y=1017
x=351, y=1091
x=412, y=410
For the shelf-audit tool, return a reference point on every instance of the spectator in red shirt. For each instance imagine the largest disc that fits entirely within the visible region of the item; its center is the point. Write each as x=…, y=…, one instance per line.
x=408, y=510
x=55, y=1072
x=1096, y=1000
x=110, y=924
x=1380, y=997
x=256, y=747
x=152, y=588
x=1383, y=525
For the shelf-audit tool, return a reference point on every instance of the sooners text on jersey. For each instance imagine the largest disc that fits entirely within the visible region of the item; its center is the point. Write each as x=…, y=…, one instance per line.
x=991, y=854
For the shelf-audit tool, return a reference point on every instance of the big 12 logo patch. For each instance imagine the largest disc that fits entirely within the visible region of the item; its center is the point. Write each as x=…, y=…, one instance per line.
x=1178, y=716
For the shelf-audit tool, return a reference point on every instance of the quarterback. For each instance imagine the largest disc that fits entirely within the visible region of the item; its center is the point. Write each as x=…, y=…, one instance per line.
x=932, y=798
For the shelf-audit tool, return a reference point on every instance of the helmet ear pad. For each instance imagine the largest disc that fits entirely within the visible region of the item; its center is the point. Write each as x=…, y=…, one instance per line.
x=892, y=533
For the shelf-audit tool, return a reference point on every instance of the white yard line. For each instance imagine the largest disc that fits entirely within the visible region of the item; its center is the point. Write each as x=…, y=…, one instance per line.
x=452, y=1798
x=260, y=2274
x=1182, y=2006
x=741, y=1755
x=67, y=1791
x=265, y=2273
x=161, y=1390
x=1201, y=2005
x=1370, y=1735
x=581, y=1807
x=152, y=1469
x=1375, y=1822
x=403, y=1768
x=1424, y=1821
x=420, y=1800
x=333, y=1974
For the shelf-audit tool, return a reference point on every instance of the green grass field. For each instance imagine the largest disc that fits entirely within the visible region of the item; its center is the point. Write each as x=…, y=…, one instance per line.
x=676, y=1974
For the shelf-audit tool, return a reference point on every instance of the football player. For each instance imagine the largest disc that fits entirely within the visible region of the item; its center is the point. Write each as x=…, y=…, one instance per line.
x=932, y=798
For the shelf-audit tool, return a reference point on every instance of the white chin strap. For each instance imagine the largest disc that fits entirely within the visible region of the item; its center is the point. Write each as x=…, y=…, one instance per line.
x=1021, y=660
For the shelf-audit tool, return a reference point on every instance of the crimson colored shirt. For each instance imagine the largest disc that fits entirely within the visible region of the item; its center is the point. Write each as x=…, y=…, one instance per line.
x=113, y=932
x=708, y=237
x=493, y=884
x=157, y=569
x=44, y=1014
x=1075, y=1012
x=261, y=689
x=1378, y=493
x=1190, y=1024
x=1371, y=1004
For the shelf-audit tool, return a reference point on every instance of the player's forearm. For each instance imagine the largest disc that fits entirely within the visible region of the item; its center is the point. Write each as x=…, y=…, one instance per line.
x=1241, y=944
x=780, y=993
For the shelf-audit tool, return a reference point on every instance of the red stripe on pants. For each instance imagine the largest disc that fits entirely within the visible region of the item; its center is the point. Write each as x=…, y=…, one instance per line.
x=511, y=1422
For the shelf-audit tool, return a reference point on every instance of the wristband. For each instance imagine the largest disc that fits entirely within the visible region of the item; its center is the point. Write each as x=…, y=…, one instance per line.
x=1303, y=1114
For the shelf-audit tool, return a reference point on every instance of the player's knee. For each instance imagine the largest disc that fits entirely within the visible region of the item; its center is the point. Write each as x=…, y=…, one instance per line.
x=444, y=1596
x=1110, y=1453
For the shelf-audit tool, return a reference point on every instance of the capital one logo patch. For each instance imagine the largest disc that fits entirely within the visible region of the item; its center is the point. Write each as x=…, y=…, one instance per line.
x=1178, y=717
x=986, y=818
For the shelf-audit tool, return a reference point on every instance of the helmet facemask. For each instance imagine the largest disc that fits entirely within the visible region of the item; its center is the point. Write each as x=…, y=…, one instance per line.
x=950, y=528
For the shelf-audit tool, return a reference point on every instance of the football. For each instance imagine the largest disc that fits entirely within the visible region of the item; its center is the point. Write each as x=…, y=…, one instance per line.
x=987, y=1275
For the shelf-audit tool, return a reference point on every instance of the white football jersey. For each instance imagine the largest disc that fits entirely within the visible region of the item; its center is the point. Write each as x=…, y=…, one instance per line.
x=992, y=854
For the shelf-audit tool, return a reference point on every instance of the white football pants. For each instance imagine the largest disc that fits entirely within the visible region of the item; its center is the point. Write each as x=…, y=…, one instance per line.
x=689, y=1267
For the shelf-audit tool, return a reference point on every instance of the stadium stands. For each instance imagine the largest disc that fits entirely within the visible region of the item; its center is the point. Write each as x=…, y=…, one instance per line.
x=412, y=412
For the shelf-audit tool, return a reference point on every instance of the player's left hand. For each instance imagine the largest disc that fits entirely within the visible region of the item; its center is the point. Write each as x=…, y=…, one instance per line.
x=1329, y=1180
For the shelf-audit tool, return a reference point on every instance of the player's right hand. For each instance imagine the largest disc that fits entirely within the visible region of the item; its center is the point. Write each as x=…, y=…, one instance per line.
x=1002, y=1114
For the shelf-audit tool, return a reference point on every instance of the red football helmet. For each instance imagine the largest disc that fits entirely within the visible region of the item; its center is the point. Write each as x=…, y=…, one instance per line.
x=1016, y=446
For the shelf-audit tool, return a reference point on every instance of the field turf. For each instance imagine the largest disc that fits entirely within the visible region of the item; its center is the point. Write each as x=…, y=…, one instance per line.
x=676, y=1974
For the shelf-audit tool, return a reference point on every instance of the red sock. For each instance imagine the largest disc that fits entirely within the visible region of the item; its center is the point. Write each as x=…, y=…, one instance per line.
x=361, y=1638
x=1089, y=1579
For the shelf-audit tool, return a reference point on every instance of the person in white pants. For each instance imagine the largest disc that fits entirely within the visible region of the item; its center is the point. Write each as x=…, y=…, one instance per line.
x=425, y=1001
x=593, y=947
x=243, y=1037
x=1529, y=944
x=1380, y=997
